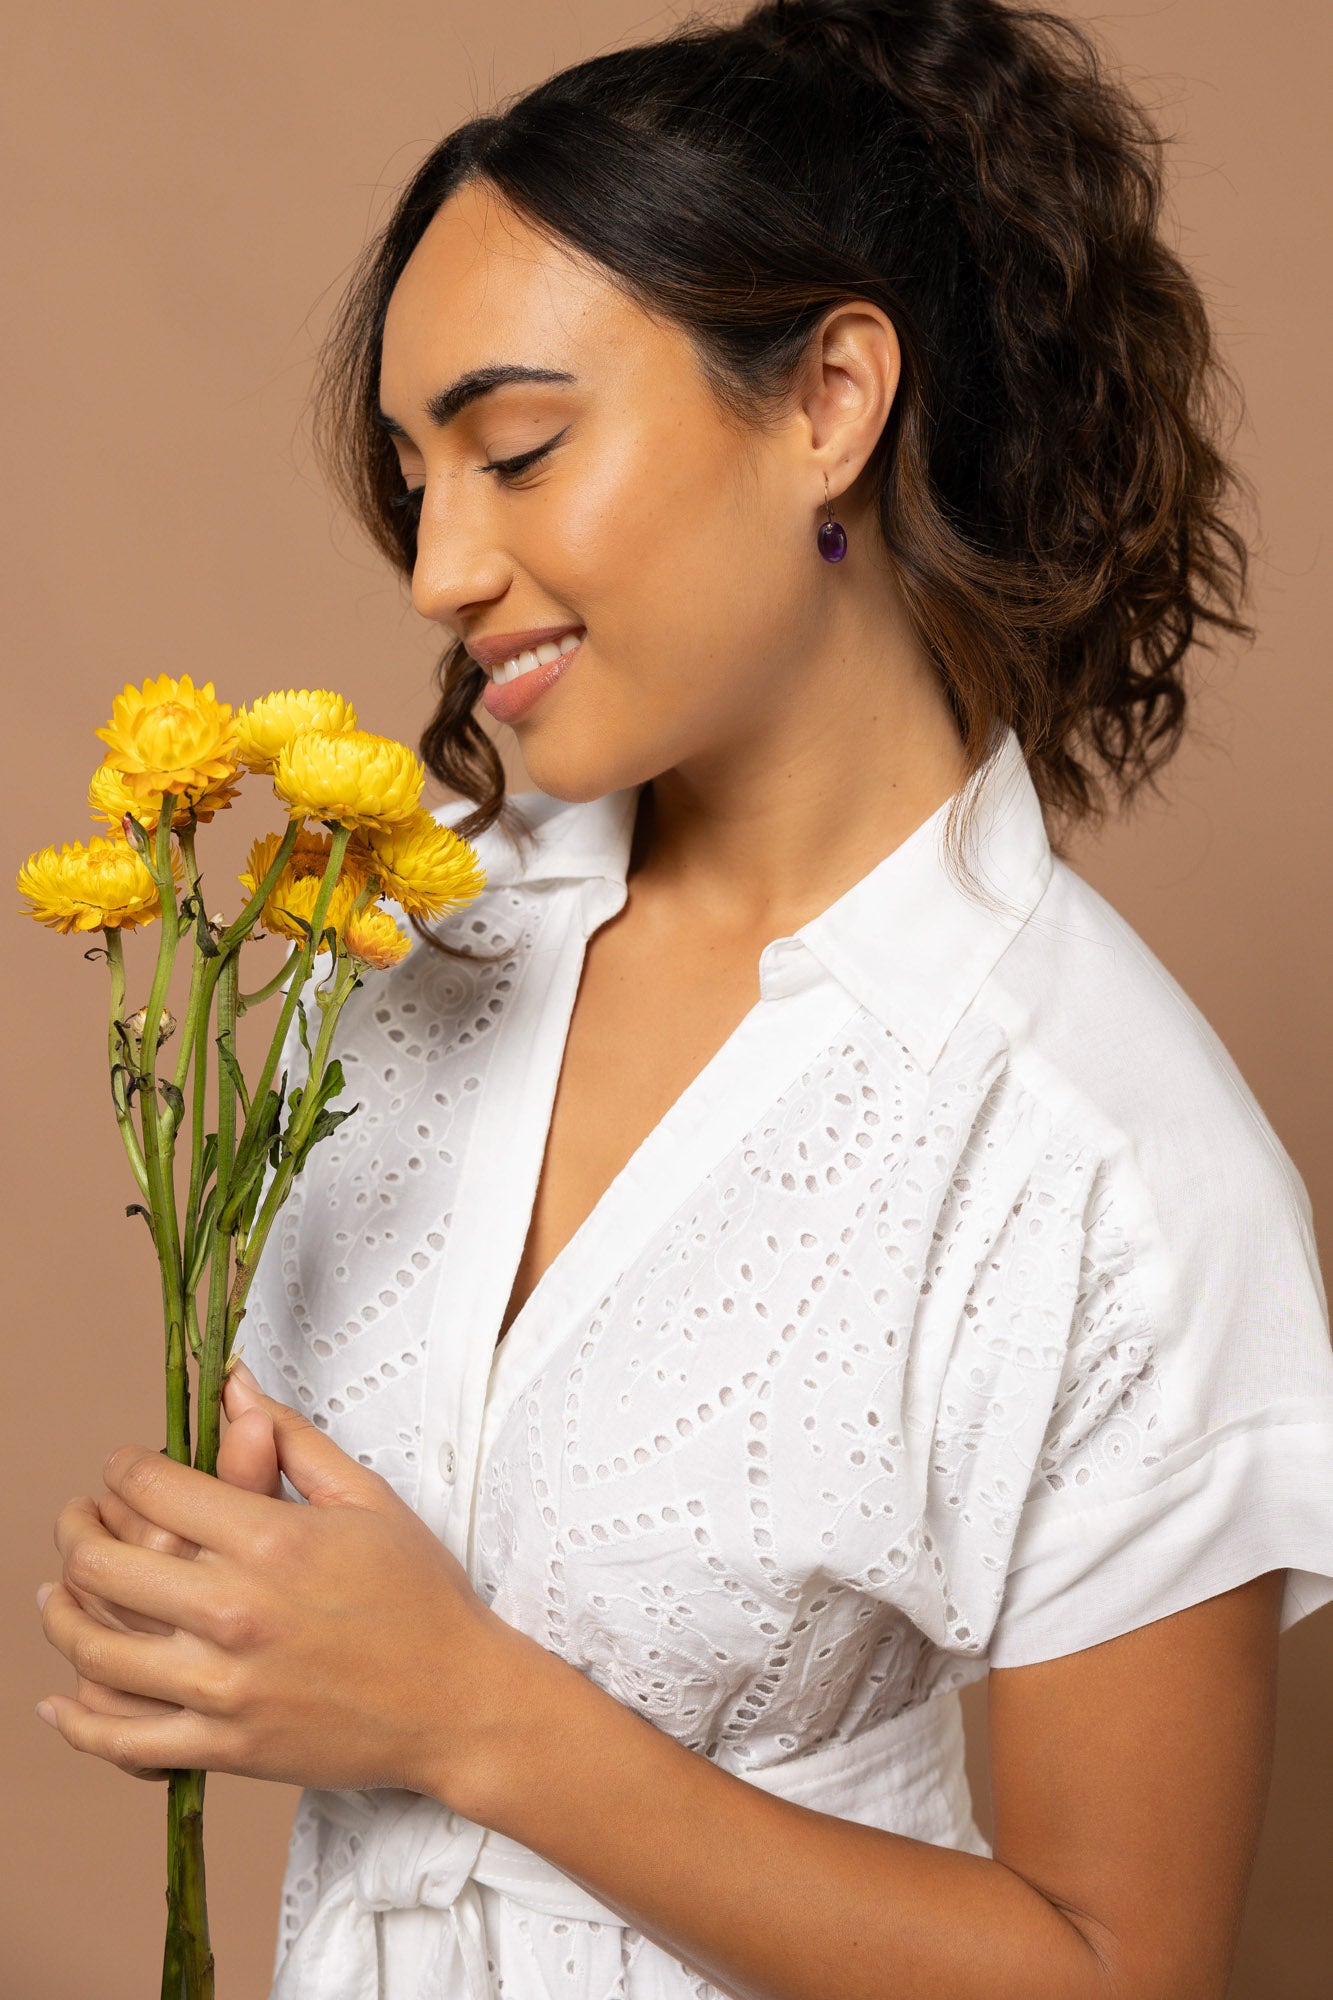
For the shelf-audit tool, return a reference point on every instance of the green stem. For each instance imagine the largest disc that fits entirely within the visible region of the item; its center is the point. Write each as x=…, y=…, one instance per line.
x=274, y=985
x=118, y=1058
x=347, y=978
x=209, y=1420
x=187, y=1963
x=195, y=1038
x=193, y=1035
x=305, y=960
x=158, y=1149
x=223, y=1313
x=201, y=987
x=192, y=1332
x=240, y=929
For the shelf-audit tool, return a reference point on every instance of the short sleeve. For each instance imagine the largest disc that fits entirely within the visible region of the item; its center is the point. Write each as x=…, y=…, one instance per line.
x=1189, y=1447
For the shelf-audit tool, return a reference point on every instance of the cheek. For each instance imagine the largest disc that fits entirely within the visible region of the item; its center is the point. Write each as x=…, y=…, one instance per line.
x=669, y=549
x=682, y=573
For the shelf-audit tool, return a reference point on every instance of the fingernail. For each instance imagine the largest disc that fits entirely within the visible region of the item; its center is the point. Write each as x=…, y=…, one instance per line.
x=43, y=1592
x=239, y=1369
x=47, y=1713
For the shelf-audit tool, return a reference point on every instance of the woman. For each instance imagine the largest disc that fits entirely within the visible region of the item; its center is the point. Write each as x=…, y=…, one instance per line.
x=798, y=1251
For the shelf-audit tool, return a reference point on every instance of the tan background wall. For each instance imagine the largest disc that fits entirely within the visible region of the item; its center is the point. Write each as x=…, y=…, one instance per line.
x=185, y=188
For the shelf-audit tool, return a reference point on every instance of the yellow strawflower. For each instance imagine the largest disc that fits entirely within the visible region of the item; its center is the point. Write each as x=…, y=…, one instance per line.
x=101, y=886
x=310, y=856
x=372, y=936
x=352, y=777
x=170, y=736
x=266, y=726
x=294, y=897
x=111, y=798
x=423, y=866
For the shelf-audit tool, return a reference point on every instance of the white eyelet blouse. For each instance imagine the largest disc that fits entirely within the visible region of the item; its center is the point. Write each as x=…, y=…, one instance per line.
x=963, y=1312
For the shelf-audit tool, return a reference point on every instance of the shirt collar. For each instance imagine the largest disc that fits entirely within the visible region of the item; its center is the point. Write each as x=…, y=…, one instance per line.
x=907, y=941
x=913, y=945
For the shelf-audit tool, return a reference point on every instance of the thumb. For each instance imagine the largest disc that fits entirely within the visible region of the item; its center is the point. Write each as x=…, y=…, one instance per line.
x=320, y=1470
x=247, y=1453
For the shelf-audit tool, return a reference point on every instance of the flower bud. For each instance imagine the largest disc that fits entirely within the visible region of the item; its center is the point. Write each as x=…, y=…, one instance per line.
x=135, y=834
x=138, y=1022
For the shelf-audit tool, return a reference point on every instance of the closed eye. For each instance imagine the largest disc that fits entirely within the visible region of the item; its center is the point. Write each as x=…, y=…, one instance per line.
x=505, y=468
x=509, y=468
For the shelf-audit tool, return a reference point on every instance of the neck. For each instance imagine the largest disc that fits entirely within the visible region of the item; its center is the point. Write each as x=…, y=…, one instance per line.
x=856, y=748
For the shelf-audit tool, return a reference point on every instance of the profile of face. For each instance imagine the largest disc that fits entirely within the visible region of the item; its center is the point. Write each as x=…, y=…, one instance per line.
x=678, y=542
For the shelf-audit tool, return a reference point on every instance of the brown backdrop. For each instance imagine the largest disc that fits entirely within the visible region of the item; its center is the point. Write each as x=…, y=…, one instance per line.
x=186, y=188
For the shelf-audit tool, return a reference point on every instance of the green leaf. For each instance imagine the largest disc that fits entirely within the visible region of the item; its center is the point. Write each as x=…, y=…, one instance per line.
x=250, y=1205
x=303, y=1029
x=137, y=1208
x=259, y=1130
x=175, y=1101
x=124, y=1083
x=196, y=1257
x=227, y=1059
x=327, y=1121
x=203, y=932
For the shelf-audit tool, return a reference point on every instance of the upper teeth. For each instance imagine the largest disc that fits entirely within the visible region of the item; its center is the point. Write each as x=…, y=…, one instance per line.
x=539, y=656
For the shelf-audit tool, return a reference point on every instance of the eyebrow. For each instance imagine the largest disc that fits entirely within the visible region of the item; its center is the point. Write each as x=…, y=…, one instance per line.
x=445, y=405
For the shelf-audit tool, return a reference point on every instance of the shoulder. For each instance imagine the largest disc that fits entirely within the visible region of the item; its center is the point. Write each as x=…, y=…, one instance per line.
x=1099, y=1026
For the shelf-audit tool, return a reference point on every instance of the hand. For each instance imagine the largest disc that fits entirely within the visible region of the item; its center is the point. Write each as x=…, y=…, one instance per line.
x=337, y=1644
x=248, y=1458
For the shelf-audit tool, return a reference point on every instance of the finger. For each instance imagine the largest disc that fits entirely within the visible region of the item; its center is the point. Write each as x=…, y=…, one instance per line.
x=80, y=1516
x=127, y=1576
x=248, y=1454
x=174, y=1669
x=127, y=1524
x=115, y=1616
x=186, y=1500
x=181, y=1742
x=320, y=1470
x=115, y=1701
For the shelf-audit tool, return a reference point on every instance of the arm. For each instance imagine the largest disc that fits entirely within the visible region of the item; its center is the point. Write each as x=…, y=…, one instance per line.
x=1129, y=1783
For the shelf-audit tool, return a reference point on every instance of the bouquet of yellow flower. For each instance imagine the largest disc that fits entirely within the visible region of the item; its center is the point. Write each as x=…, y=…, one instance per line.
x=175, y=757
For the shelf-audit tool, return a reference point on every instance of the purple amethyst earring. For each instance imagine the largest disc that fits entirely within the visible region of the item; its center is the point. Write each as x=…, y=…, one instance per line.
x=832, y=537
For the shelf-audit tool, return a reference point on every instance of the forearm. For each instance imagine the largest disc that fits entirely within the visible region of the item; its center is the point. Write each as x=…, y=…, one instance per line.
x=768, y=1900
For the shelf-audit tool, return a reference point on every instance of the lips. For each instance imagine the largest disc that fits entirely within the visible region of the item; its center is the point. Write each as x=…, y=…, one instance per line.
x=510, y=700
x=502, y=646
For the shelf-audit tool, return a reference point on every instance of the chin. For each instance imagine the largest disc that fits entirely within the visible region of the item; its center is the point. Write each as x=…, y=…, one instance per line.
x=579, y=771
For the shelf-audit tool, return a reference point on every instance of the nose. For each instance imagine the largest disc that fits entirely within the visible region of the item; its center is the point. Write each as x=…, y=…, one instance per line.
x=458, y=565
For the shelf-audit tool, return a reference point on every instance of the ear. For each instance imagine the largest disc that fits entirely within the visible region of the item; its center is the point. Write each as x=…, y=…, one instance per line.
x=320, y=1470
x=848, y=380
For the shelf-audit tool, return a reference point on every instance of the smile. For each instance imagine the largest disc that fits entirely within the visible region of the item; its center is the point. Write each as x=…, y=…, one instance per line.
x=518, y=684
x=538, y=656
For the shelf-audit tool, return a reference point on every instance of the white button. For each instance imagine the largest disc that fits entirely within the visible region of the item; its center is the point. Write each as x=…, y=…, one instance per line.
x=448, y=1463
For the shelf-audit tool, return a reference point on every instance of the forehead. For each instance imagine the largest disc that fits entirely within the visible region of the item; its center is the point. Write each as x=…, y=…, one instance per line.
x=483, y=285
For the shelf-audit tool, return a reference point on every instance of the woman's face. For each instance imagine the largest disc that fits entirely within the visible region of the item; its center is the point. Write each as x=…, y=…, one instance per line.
x=680, y=547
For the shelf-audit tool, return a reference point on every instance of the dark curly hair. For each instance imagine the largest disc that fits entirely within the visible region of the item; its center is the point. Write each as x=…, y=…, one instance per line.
x=1051, y=485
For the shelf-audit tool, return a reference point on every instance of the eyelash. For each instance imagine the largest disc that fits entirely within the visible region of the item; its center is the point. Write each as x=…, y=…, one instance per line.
x=507, y=468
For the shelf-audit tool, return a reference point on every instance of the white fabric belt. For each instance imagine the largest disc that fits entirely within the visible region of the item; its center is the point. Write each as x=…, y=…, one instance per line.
x=905, y=1774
